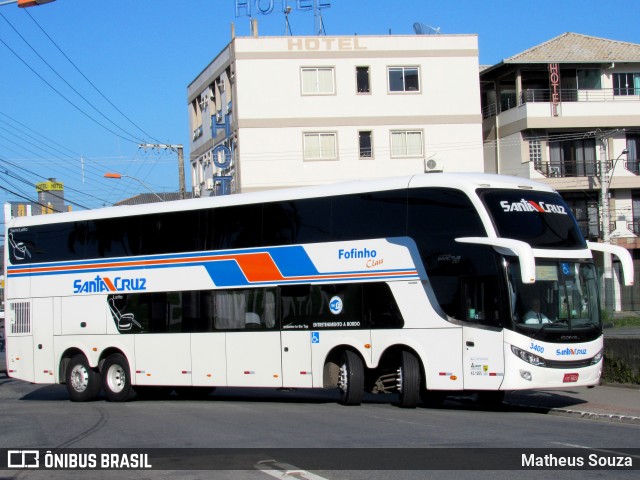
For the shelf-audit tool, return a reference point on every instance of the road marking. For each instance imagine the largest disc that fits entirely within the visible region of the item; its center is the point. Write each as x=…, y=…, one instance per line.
x=603, y=450
x=285, y=471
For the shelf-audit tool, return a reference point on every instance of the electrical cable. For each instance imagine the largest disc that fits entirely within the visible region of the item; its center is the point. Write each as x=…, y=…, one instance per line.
x=89, y=81
x=64, y=97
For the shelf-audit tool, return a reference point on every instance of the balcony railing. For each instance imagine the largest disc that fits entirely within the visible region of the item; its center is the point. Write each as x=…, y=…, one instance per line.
x=534, y=95
x=581, y=168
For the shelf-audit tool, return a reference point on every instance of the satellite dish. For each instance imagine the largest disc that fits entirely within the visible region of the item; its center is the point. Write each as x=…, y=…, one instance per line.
x=422, y=29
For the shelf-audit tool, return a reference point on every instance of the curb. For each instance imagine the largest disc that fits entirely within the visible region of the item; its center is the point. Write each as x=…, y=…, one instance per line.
x=607, y=417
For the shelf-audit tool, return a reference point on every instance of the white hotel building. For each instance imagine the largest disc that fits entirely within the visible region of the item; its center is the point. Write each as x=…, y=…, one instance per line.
x=271, y=112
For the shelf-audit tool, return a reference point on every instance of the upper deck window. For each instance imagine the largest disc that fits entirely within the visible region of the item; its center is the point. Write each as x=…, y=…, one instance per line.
x=541, y=219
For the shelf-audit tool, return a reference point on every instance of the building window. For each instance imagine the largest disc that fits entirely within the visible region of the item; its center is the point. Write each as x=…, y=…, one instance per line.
x=585, y=209
x=633, y=155
x=362, y=80
x=404, y=79
x=573, y=158
x=589, y=79
x=320, y=146
x=535, y=153
x=406, y=144
x=626, y=83
x=365, y=141
x=318, y=81
x=635, y=198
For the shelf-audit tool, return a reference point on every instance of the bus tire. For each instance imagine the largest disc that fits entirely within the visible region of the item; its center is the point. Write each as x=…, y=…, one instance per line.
x=116, y=379
x=409, y=380
x=351, y=379
x=83, y=382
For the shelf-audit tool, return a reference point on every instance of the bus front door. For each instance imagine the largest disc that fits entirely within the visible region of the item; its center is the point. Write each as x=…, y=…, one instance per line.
x=483, y=357
x=482, y=334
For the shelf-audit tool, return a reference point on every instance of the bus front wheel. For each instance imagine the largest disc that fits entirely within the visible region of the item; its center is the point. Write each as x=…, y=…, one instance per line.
x=351, y=379
x=116, y=379
x=409, y=380
x=83, y=382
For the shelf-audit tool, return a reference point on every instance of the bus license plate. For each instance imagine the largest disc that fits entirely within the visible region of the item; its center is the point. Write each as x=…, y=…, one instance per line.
x=570, y=377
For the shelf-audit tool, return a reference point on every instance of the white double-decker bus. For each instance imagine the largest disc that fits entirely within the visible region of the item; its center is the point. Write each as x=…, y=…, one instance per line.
x=420, y=286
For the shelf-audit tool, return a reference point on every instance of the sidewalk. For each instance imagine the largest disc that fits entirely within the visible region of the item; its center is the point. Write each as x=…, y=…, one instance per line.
x=614, y=403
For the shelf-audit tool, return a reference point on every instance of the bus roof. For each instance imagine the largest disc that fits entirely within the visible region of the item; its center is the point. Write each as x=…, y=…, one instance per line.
x=467, y=182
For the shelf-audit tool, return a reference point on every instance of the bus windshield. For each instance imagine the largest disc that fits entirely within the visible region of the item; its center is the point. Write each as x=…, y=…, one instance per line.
x=562, y=304
x=542, y=219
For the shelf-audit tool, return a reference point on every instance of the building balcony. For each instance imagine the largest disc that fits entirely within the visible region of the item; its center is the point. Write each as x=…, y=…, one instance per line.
x=570, y=102
x=583, y=168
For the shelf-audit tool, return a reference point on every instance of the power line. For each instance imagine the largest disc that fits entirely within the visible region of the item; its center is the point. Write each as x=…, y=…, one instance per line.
x=64, y=97
x=31, y=184
x=63, y=79
x=87, y=79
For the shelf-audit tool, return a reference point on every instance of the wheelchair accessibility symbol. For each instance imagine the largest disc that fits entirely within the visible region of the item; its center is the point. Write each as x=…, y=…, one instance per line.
x=315, y=337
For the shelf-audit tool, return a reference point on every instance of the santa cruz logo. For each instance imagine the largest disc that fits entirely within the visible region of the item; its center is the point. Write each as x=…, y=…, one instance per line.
x=105, y=284
x=531, y=206
x=571, y=351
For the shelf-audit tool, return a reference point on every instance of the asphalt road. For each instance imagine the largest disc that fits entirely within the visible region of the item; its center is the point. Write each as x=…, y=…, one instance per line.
x=33, y=416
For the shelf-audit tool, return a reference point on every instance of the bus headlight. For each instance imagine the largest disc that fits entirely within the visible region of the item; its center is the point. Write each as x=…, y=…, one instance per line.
x=527, y=356
x=597, y=358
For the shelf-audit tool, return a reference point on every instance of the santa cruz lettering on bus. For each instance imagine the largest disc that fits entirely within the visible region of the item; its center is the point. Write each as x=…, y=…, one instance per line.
x=105, y=284
x=531, y=206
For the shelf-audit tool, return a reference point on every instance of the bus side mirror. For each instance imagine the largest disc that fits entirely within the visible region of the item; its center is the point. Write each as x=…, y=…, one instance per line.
x=623, y=255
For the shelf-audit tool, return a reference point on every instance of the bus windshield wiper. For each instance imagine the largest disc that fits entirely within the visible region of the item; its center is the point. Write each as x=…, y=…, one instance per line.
x=544, y=326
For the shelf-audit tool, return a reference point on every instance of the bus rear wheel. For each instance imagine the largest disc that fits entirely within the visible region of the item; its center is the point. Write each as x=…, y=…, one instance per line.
x=83, y=382
x=116, y=379
x=409, y=380
x=351, y=379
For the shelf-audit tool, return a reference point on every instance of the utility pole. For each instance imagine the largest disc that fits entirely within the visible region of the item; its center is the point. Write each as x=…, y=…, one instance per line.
x=607, y=277
x=180, y=151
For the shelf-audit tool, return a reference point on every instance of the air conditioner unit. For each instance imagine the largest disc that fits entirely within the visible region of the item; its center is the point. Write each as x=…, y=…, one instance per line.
x=554, y=171
x=433, y=165
x=209, y=183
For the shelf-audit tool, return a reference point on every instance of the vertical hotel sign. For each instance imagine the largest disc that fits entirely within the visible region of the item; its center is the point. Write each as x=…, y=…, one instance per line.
x=554, y=87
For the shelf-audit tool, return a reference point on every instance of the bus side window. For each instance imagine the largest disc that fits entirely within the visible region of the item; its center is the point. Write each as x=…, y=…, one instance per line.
x=247, y=309
x=295, y=302
x=481, y=301
x=238, y=227
x=380, y=309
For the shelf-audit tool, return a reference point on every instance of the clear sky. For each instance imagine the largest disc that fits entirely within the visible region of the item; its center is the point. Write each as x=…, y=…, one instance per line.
x=109, y=74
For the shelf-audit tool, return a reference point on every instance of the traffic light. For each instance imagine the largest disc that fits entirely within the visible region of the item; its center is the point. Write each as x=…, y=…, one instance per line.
x=32, y=3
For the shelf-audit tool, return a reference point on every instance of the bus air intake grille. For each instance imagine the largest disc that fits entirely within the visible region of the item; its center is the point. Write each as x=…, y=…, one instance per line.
x=20, y=317
x=585, y=362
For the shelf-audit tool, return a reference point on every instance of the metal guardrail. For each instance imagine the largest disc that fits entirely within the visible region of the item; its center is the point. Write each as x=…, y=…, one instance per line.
x=534, y=95
x=583, y=168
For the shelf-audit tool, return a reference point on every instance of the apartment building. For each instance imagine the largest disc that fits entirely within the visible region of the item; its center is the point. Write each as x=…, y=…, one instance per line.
x=567, y=112
x=272, y=112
